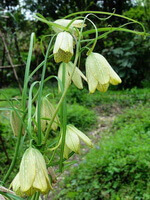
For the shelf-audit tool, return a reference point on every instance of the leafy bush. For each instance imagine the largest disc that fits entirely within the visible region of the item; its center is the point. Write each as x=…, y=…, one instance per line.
x=118, y=168
x=7, y=143
x=81, y=117
x=130, y=60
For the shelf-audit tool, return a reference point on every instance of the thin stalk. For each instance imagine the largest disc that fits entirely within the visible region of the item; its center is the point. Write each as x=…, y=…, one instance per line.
x=40, y=93
x=30, y=109
x=63, y=121
x=15, y=156
x=26, y=80
x=106, y=13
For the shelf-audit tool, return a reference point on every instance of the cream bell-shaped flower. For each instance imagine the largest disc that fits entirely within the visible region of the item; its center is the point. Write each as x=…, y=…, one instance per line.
x=65, y=22
x=77, y=75
x=47, y=111
x=32, y=176
x=99, y=73
x=72, y=140
x=63, y=47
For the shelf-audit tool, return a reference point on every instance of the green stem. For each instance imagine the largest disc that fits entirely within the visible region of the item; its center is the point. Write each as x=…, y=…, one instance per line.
x=15, y=156
x=26, y=80
x=29, y=127
x=105, y=13
x=37, y=195
x=114, y=29
x=63, y=121
x=40, y=93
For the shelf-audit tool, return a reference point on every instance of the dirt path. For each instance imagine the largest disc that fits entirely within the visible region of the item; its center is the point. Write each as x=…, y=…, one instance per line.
x=106, y=116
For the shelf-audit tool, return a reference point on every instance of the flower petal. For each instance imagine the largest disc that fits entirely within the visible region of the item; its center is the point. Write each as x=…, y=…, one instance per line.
x=63, y=48
x=67, y=151
x=27, y=170
x=60, y=74
x=102, y=87
x=81, y=135
x=72, y=141
x=76, y=78
x=65, y=22
x=114, y=78
x=92, y=81
x=98, y=67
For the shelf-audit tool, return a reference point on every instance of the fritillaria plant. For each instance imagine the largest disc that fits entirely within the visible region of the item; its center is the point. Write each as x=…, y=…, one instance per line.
x=35, y=117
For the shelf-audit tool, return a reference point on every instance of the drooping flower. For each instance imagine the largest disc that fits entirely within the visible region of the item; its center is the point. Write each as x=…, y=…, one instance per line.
x=99, y=73
x=72, y=140
x=47, y=111
x=63, y=47
x=32, y=176
x=76, y=78
x=65, y=22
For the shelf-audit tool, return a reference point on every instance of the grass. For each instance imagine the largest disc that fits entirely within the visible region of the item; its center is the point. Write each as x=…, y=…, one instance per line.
x=118, y=167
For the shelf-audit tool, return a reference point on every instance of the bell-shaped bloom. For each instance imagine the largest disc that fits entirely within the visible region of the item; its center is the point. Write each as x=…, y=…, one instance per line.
x=32, y=176
x=72, y=140
x=63, y=47
x=47, y=111
x=65, y=22
x=77, y=75
x=99, y=73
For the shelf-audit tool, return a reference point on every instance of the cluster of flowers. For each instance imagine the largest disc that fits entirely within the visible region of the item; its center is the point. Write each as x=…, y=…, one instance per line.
x=33, y=175
x=99, y=73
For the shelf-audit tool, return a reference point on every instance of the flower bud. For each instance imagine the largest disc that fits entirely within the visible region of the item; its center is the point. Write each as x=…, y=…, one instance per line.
x=33, y=175
x=47, y=111
x=63, y=47
x=72, y=140
x=99, y=73
x=15, y=123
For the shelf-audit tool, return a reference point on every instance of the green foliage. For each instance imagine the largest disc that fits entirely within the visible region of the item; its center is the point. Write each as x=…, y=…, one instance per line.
x=81, y=117
x=124, y=98
x=118, y=168
x=130, y=60
x=7, y=143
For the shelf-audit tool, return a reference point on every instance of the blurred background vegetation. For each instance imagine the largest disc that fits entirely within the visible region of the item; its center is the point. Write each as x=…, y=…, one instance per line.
x=127, y=53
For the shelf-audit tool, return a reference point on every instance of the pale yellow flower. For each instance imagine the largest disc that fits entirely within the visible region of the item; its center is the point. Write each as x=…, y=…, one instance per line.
x=76, y=78
x=65, y=22
x=99, y=73
x=32, y=176
x=63, y=47
x=72, y=140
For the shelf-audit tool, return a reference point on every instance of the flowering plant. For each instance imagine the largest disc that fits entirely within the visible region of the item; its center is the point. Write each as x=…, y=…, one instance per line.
x=35, y=117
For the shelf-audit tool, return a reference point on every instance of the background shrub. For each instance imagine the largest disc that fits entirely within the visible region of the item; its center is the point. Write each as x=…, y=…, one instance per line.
x=81, y=117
